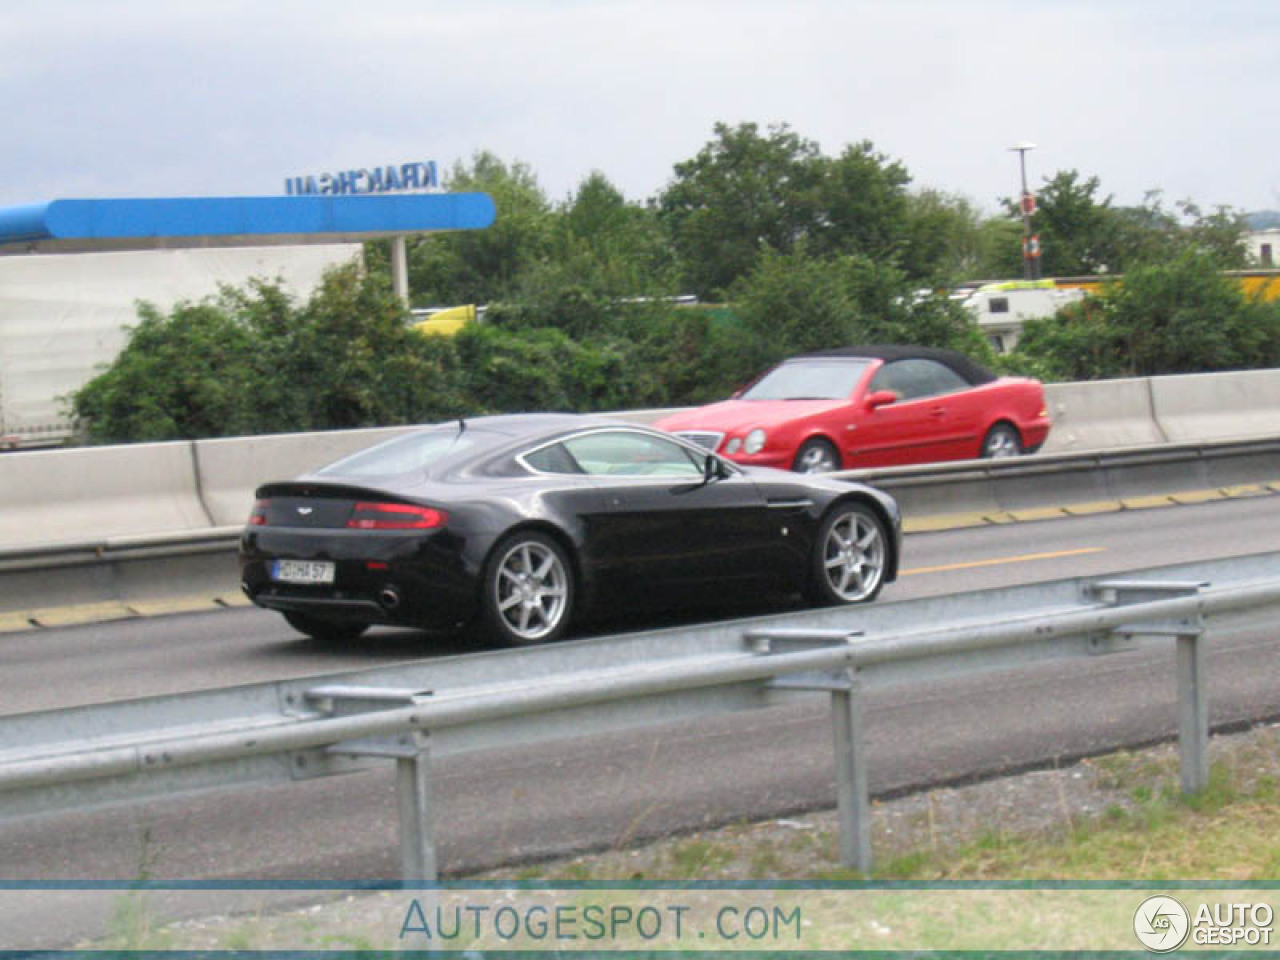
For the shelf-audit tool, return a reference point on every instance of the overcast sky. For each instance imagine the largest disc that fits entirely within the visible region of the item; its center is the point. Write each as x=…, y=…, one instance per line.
x=221, y=97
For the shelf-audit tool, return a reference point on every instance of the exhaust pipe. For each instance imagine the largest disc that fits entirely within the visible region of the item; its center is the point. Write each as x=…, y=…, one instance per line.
x=389, y=598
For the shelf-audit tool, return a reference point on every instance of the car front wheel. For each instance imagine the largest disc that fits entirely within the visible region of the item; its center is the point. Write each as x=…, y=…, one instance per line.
x=850, y=556
x=528, y=590
x=1001, y=441
x=816, y=456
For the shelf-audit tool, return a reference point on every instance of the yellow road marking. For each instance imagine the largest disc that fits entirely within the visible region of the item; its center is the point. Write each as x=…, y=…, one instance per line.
x=999, y=560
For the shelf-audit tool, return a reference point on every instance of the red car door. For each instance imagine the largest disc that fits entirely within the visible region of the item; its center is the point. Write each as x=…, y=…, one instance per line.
x=929, y=421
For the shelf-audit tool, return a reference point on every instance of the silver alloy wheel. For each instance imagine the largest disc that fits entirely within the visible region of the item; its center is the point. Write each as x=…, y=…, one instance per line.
x=853, y=556
x=815, y=456
x=1001, y=442
x=532, y=590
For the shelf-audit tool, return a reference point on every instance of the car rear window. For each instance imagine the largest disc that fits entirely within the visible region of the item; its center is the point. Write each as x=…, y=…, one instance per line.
x=406, y=454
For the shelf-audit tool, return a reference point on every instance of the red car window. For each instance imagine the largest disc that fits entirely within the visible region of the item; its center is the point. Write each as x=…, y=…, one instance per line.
x=915, y=378
x=808, y=380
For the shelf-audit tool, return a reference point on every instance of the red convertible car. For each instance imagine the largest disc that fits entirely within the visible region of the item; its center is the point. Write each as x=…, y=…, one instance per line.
x=871, y=407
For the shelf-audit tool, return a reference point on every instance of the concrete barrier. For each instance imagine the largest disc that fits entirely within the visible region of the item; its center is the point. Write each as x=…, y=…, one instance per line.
x=1100, y=414
x=52, y=496
x=1217, y=406
x=991, y=488
x=133, y=574
x=230, y=469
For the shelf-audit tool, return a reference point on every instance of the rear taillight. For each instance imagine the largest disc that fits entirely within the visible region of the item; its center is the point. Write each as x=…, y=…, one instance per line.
x=258, y=518
x=395, y=516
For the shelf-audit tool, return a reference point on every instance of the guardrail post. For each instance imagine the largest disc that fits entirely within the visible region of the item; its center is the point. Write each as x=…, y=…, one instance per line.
x=853, y=795
x=853, y=792
x=417, y=821
x=1193, y=714
x=1193, y=685
x=411, y=751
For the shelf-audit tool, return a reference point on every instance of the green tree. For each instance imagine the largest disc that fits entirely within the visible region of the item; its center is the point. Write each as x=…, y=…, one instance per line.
x=943, y=238
x=743, y=193
x=1149, y=234
x=477, y=266
x=1220, y=234
x=1146, y=233
x=608, y=269
x=179, y=377
x=794, y=303
x=354, y=358
x=616, y=247
x=250, y=361
x=695, y=354
x=1077, y=227
x=862, y=204
x=1082, y=232
x=544, y=369
x=999, y=249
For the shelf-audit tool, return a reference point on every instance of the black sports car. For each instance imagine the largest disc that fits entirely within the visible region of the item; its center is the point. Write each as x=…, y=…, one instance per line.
x=525, y=522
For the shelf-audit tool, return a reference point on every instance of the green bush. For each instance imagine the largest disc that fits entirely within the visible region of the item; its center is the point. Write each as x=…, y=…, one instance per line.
x=1181, y=316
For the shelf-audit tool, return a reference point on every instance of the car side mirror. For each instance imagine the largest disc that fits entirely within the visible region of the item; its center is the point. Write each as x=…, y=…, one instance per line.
x=713, y=469
x=881, y=398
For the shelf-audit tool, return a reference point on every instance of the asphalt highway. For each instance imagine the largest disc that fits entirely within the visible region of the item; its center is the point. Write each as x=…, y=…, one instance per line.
x=508, y=806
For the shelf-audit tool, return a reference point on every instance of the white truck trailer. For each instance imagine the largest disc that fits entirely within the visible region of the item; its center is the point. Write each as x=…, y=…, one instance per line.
x=65, y=317
x=1000, y=309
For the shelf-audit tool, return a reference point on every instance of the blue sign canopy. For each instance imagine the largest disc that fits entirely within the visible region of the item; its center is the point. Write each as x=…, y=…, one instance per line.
x=78, y=226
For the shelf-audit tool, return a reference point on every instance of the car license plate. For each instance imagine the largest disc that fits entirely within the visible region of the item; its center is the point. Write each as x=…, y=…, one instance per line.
x=301, y=571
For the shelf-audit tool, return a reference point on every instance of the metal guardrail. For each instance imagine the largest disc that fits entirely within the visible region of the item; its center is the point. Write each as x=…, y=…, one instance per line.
x=1064, y=478
x=304, y=728
x=110, y=549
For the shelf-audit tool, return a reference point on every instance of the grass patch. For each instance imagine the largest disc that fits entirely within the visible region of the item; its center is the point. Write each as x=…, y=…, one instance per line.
x=696, y=858
x=1137, y=824
x=1228, y=831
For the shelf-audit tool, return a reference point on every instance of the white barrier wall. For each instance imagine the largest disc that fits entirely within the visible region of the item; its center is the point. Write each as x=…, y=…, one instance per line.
x=54, y=496
x=1103, y=413
x=1217, y=406
x=83, y=304
x=232, y=468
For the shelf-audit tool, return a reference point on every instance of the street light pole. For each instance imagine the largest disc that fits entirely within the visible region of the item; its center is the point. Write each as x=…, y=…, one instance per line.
x=1027, y=202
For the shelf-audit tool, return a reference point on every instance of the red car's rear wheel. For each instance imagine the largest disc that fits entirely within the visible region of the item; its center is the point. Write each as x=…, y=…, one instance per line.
x=1002, y=440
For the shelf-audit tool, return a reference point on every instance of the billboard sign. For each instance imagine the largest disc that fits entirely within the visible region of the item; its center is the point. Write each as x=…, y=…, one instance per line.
x=385, y=179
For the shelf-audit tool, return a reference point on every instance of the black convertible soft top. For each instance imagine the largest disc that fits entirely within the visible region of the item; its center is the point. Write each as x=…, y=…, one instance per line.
x=974, y=373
